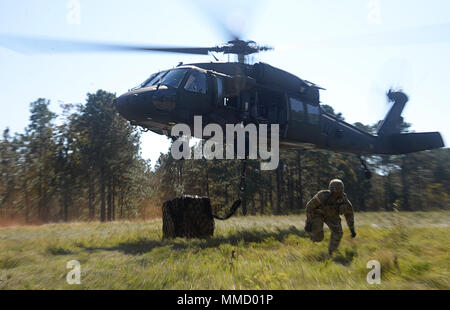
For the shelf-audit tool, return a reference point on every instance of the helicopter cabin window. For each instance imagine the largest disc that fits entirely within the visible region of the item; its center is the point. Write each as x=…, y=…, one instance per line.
x=297, y=109
x=174, y=77
x=196, y=82
x=271, y=105
x=313, y=113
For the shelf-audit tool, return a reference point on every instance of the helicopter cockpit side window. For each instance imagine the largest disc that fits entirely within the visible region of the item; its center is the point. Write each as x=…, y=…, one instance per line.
x=196, y=82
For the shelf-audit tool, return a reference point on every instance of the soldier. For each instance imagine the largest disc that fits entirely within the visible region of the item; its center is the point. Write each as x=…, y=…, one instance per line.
x=326, y=206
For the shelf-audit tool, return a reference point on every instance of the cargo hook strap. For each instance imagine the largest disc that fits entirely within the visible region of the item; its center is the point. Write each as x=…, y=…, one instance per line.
x=242, y=186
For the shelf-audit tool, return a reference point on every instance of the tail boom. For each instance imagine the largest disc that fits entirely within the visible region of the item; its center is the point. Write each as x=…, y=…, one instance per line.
x=409, y=142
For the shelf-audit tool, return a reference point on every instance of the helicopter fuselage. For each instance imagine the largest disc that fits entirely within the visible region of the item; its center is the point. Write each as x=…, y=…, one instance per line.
x=232, y=93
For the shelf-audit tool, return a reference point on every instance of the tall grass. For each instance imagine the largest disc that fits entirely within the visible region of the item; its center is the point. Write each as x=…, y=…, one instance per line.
x=267, y=252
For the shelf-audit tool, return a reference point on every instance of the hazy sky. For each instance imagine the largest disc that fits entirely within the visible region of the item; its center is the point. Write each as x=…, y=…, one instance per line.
x=356, y=72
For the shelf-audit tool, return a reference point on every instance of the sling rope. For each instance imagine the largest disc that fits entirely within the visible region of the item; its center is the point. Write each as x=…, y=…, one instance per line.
x=242, y=187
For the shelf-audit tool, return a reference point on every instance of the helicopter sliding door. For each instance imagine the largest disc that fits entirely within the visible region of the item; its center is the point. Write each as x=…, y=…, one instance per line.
x=271, y=106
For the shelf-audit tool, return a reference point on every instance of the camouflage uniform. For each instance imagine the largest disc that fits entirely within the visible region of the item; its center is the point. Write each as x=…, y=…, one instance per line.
x=324, y=208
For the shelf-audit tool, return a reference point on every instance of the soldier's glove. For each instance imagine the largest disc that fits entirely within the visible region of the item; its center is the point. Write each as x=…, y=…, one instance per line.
x=308, y=226
x=353, y=233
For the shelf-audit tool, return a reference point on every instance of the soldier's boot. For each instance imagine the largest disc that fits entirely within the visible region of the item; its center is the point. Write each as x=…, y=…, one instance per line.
x=316, y=236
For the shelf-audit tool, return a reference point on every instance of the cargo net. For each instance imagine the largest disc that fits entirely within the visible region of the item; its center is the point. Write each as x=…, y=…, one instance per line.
x=188, y=216
x=191, y=217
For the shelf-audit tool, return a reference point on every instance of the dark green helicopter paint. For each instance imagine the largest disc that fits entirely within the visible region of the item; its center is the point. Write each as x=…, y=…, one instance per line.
x=231, y=93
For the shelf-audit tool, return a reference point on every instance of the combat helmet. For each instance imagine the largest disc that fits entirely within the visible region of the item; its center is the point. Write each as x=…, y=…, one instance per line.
x=336, y=185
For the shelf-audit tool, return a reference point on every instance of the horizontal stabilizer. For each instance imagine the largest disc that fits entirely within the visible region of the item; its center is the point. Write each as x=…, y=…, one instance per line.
x=415, y=142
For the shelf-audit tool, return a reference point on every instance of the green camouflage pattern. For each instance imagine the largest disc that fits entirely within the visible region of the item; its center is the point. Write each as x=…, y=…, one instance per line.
x=323, y=208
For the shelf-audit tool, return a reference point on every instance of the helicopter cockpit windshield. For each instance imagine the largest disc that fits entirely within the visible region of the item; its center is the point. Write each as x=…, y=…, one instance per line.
x=171, y=78
x=153, y=79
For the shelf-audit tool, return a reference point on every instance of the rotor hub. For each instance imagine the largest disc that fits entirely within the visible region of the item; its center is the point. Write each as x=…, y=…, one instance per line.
x=241, y=47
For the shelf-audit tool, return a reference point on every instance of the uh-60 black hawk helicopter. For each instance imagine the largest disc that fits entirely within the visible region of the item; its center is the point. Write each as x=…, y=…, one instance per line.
x=239, y=92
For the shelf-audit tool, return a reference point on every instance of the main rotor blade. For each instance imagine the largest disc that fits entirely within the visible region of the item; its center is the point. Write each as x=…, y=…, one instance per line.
x=35, y=45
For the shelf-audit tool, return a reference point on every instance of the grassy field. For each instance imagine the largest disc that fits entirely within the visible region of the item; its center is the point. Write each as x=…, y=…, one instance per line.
x=270, y=252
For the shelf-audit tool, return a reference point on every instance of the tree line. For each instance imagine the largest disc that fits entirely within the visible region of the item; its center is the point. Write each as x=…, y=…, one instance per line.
x=89, y=167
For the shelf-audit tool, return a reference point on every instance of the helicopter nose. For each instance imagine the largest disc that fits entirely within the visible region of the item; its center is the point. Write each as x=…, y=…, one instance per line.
x=130, y=108
x=121, y=105
x=141, y=105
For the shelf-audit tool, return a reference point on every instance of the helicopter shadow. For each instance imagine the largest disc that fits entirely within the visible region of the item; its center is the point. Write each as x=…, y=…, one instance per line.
x=143, y=246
